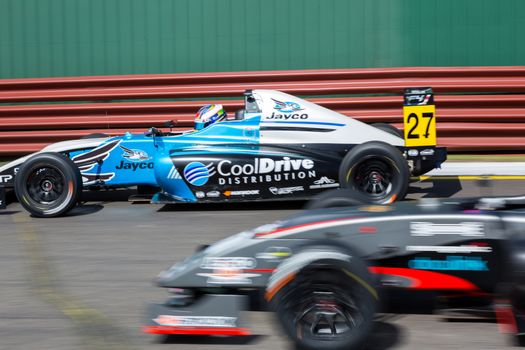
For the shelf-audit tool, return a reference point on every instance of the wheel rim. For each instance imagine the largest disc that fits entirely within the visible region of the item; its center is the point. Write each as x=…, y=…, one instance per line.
x=323, y=313
x=45, y=185
x=373, y=177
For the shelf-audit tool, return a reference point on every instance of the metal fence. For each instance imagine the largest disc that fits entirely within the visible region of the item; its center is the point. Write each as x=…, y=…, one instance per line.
x=478, y=108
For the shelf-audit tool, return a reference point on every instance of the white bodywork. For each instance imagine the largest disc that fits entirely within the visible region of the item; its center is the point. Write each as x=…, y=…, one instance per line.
x=353, y=131
x=63, y=146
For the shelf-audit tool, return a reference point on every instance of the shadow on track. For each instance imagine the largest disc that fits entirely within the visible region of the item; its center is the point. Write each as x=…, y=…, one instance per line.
x=118, y=195
x=437, y=189
x=9, y=212
x=285, y=205
x=84, y=209
x=384, y=336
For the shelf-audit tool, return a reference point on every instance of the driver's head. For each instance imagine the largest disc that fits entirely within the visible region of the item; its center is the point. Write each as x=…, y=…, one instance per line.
x=208, y=115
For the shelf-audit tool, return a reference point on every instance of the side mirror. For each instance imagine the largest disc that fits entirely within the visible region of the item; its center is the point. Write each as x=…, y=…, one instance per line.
x=169, y=124
x=154, y=132
x=239, y=115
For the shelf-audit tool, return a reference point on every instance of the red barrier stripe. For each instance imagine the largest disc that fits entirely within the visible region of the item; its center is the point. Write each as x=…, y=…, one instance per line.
x=465, y=122
x=440, y=85
x=290, y=75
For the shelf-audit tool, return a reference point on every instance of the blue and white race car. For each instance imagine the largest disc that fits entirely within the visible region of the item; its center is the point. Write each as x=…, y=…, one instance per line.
x=278, y=147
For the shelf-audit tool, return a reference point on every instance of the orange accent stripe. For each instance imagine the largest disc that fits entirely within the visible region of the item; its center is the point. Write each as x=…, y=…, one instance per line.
x=196, y=330
x=271, y=292
x=260, y=270
x=393, y=199
x=505, y=318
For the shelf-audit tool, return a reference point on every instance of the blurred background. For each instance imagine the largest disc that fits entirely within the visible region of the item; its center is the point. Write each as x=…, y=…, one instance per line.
x=46, y=38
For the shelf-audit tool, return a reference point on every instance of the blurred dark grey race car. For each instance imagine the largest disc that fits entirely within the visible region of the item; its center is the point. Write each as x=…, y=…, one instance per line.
x=328, y=272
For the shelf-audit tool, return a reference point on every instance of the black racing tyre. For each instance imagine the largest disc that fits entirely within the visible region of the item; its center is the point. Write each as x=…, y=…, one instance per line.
x=340, y=197
x=329, y=305
x=96, y=135
x=48, y=185
x=389, y=129
x=375, y=172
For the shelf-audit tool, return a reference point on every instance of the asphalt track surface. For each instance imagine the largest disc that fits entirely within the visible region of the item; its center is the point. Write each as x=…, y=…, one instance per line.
x=83, y=281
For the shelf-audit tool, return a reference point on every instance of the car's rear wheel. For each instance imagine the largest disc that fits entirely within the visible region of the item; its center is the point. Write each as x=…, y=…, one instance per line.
x=48, y=185
x=389, y=129
x=375, y=172
x=328, y=306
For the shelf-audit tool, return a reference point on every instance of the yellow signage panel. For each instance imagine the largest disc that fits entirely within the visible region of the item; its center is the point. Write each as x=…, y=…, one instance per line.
x=420, y=125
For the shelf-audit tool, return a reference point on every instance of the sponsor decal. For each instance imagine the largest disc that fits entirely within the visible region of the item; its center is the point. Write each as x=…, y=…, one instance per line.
x=8, y=177
x=228, y=270
x=134, y=155
x=88, y=160
x=252, y=171
x=134, y=166
x=451, y=263
x=198, y=174
x=466, y=229
x=213, y=194
x=465, y=249
x=241, y=193
x=228, y=263
x=5, y=178
x=229, y=276
x=286, y=107
x=173, y=174
x=324, y=182
x=285, y=190
x=264, y=170
x=274, y=253
x=199, y=194
x=422, y=99
x=282, y=116
x=196, y=321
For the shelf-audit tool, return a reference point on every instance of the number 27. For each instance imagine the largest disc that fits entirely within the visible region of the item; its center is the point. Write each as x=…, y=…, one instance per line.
x=427, y=115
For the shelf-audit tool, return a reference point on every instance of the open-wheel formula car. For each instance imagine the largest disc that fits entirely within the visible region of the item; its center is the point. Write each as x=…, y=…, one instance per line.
x=327, y=272
x=278, y=147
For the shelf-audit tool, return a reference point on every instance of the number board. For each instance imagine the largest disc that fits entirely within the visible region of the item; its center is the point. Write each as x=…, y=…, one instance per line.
x=420, y=125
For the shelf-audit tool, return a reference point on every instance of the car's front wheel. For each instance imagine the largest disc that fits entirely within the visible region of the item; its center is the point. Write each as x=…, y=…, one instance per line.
x=48, y=185
x=375, y=172
x=328, y=306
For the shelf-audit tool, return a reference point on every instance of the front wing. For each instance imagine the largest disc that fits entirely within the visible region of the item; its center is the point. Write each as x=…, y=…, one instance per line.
x=212, y=314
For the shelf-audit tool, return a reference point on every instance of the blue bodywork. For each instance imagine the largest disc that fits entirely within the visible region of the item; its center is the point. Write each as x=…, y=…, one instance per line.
x=153, y=163
x=222, y=162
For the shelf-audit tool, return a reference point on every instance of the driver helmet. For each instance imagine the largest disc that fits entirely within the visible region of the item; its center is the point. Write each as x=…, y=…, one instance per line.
x=208, y=115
